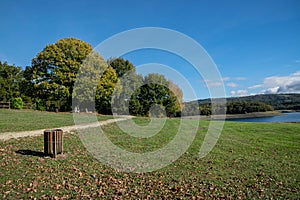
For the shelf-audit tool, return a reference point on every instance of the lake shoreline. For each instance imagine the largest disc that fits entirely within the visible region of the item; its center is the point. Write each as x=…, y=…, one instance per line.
x=236, y=116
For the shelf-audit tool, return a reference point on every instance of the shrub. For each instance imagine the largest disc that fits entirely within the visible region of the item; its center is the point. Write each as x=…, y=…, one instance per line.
x=39, y=104
x=17, y=103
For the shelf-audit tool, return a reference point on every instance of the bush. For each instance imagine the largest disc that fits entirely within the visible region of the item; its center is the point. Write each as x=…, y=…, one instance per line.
x=39, y=104
x=17, y=103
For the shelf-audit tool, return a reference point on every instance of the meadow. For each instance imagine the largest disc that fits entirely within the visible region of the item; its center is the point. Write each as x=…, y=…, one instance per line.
x=27, y=120
x=250, y=161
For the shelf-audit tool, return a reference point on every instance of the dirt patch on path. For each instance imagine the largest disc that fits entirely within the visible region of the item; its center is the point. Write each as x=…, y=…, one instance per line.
x=15, y=135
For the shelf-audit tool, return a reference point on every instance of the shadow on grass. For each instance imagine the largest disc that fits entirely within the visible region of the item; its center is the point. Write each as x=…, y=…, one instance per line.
x=31, y=153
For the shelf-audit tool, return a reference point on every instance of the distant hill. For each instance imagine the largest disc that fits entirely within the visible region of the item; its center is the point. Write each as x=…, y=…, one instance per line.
x=278, y=101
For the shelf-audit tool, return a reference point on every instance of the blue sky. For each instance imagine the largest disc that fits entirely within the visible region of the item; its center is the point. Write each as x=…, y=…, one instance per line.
x=254, y=43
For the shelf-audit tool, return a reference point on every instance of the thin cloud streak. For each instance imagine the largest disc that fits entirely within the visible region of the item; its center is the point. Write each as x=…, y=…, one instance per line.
x=232, y=85
x=239, y=93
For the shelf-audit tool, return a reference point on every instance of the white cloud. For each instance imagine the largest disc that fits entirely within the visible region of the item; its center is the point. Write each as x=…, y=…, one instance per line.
x=296, y=73
x=233, y=85
x=224, y=81
x=234, y=78
x=211, y=84
x=226, y=78
x=240, y=78
x=239, y=93
x=272, y=90
x=255, y=86
x=283, y=84
x=280, y=84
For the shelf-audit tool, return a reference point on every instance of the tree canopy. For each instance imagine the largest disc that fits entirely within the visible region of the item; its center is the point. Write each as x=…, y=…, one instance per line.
x=121, y=66
x=10, y=79
x=53, y=71
x=112, y=85
x=88, y=78
x=154, y=92
x=105, y=89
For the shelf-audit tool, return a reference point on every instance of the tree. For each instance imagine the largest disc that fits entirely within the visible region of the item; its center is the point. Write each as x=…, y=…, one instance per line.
x=10, y=79
x=205, y=109
x=154, y=92
x=54, y=70
x=27, y=85
x=105, y=89
x=88, y=78
x=121, y=66
x=127, y=85
x=247, y=107
x=176, y=92
x=95, y=84
x=128, y=82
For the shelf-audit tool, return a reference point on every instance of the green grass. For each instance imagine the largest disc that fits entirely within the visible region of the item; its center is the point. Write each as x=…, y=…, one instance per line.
x=250, y=161
x=26, y=120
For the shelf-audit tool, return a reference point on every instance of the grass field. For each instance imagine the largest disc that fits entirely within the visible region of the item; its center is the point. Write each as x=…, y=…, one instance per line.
x=26, y=120
x=250, y=161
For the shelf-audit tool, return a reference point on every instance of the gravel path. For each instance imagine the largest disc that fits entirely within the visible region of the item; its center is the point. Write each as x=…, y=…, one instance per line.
x=14, y=135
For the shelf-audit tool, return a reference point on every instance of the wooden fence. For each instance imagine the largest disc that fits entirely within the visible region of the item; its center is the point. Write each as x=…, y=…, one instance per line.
x=5, y=105
x=27, y=106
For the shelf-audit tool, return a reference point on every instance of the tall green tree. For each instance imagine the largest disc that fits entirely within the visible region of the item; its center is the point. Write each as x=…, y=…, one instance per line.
x=105, y=89
x=121, y=66
x=10, y=79
x=88, y=78
x=177, y=92
x=55, y=68
x=27, y=85
x=154, y=92
x=128, y=85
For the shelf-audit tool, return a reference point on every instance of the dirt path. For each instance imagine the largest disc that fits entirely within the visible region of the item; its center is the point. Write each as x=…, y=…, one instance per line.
x=11, y=135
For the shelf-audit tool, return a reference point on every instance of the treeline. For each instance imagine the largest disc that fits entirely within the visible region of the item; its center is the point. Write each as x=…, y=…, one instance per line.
x=277, y=101
x=193, y=108
x=112, y=85
x=247, y=107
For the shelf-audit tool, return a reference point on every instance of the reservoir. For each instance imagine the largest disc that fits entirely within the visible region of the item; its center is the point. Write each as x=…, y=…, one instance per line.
x=286, y=117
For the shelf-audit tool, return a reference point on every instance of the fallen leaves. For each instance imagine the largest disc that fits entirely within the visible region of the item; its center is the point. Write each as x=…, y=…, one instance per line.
x=80, y=176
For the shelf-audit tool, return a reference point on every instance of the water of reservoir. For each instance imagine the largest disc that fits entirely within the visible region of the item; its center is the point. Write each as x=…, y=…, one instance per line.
x=286, y=117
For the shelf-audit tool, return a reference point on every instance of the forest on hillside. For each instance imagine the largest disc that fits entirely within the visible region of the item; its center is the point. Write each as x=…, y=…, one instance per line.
x=277, y=101
x=192, y=108
x=246, y=104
